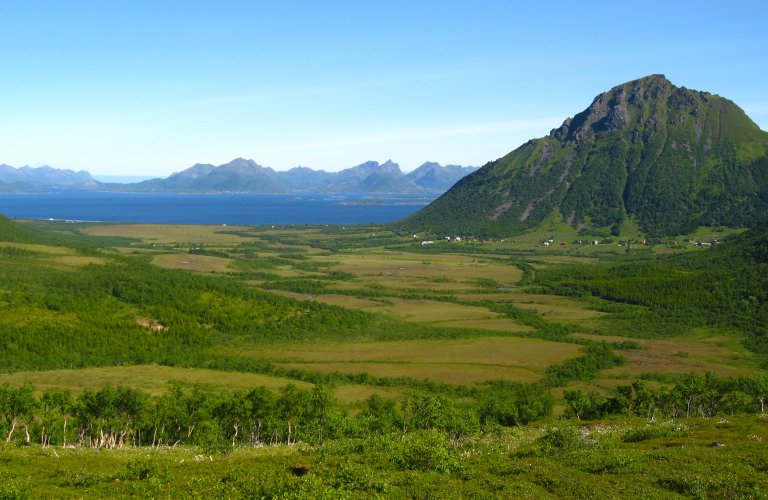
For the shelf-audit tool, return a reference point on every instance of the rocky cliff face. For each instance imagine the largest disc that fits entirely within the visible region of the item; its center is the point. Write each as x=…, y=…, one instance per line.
x=670, y=157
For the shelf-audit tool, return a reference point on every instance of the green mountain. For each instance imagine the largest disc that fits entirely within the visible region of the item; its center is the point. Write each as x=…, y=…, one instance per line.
x=669, y=157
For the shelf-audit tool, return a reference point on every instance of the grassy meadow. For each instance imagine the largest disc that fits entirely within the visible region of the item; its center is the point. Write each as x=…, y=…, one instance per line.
x=627, y=459
x=445, y=289
x=387, y=327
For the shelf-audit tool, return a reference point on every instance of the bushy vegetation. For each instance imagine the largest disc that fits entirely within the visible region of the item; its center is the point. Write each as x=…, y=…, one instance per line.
x=66, y=304
x=115, y=417
x=698, y=395
x=725, y=286
x=368, y=455
x=128, y=311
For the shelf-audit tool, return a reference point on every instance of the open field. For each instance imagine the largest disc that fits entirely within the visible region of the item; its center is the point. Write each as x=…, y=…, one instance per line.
x=438, y=268
x=53, y=256
x=493, y=351
x=461, y=361
x=400, y=281
x=166, y=233
x=191, y=262
x=431, y=311
x=554, y=307
x=445, y=372
x=408, y=367
x=717, y=353
x=153, y=379
x=44, y=249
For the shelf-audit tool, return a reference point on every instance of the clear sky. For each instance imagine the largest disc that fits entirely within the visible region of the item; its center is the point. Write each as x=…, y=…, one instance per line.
x=151, y=87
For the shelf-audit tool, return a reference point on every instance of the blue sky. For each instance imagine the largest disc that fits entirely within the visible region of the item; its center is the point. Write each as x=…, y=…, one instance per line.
x=149, y=88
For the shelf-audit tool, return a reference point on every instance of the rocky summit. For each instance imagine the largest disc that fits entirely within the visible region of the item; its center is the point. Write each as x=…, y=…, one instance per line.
x=668, y=157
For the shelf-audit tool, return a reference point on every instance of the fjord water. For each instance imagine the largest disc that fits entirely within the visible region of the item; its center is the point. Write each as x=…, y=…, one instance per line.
x=237, y=209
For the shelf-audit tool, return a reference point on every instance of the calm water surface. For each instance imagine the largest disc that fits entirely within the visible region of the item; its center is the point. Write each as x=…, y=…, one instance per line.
x=238, y=209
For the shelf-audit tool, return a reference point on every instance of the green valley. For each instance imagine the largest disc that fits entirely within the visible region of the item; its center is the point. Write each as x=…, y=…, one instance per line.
x=355, y=361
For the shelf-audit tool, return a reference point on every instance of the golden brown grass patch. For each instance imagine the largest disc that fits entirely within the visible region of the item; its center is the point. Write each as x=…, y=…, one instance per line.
x=451, y=267
x=347, y=301
x=641, y=361
x=168, y=233
x=483, y=297
x=499, y=324
x=717, y=353
x=191, y=262
x=151, y=378
x=51, y=250
x=450, y=373
x=432, y=310
x=455, y=360
x=487, y=350
x=554, y=307
x=354, y=393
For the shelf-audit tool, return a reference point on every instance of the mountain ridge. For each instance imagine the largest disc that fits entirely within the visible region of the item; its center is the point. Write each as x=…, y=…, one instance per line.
x=668, y=157
x=246, y=176
x=53, y=178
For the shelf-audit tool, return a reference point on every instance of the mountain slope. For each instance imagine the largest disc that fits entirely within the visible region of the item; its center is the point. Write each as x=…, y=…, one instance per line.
x=724, y=287
x=670, y=157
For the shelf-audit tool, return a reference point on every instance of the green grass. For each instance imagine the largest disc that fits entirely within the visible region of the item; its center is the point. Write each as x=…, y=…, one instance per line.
x=430, y=315
x=458, y=361
x=153, y=379
x=630, y=459
x=403, y=285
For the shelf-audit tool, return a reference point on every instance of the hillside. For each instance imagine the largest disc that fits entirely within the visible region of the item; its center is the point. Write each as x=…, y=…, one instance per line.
x=668, y=157
x=723, y=287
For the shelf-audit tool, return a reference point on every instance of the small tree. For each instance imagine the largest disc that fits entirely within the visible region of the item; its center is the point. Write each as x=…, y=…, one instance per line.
x=56, y=406
x=263, y=405
x=18, y=406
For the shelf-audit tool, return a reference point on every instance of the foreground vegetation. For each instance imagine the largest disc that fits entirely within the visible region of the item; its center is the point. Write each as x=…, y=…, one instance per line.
x=723, y=458
x=329, y=361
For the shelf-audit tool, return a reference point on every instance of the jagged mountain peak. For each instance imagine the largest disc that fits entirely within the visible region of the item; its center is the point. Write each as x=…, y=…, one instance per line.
x=669, y=157
x=390, y=167
x=241, y=163
x=625, y=105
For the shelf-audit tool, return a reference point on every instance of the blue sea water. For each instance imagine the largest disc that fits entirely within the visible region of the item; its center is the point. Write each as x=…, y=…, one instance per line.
x=236, y=209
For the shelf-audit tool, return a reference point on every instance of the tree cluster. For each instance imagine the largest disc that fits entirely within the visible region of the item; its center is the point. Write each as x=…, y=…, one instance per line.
x=115, y=417
x=697, y=395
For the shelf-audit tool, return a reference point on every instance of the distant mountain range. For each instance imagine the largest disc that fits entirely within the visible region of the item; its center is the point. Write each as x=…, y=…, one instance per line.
x=35, y=179
x=246, y=176
x=668, y=158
